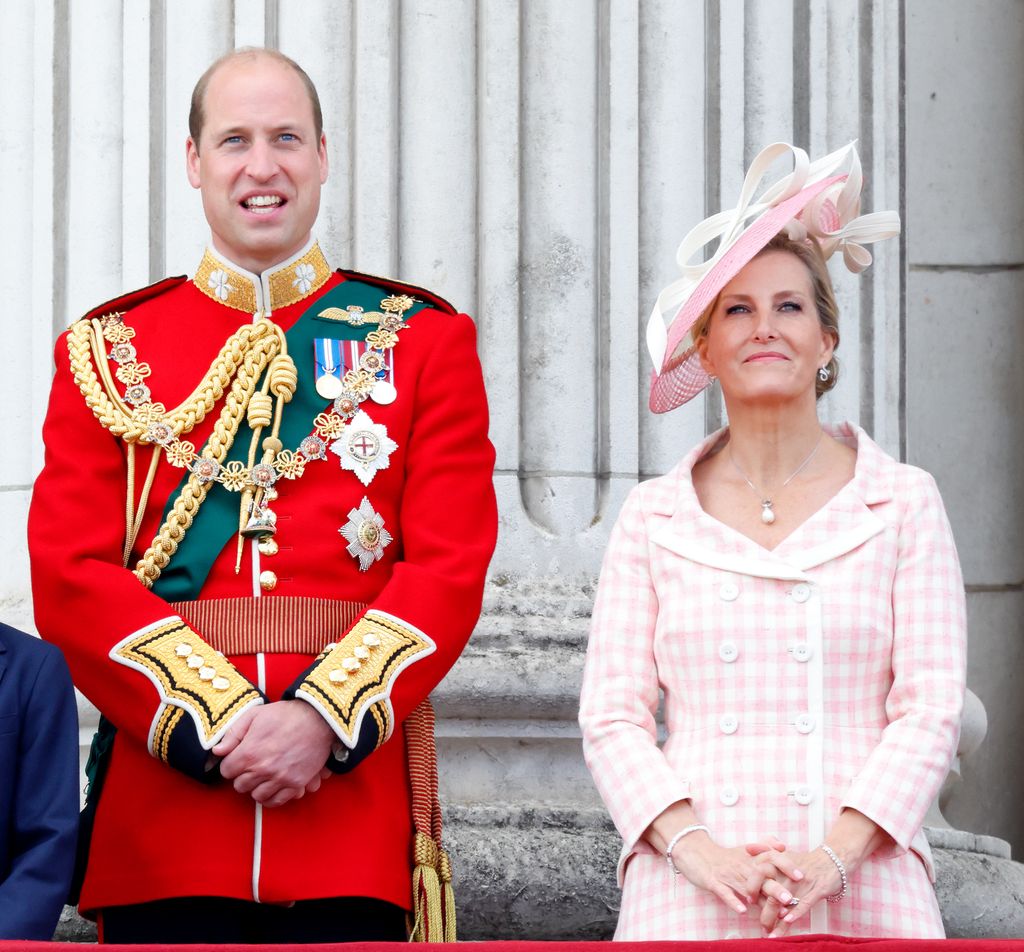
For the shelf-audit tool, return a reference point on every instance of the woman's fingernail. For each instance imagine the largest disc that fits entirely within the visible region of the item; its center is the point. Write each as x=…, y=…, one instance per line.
x=798, y=874
x=789, y=918
x=785, y=897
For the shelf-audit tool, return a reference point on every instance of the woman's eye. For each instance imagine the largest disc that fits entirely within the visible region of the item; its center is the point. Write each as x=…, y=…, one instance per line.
x=790, y=306
x=736, y=309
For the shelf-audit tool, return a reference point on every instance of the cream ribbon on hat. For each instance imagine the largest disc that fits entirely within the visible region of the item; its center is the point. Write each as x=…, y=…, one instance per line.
x=830, y=217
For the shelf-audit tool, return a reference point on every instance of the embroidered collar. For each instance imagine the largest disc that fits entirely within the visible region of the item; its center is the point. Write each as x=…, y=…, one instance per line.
x=292, y=280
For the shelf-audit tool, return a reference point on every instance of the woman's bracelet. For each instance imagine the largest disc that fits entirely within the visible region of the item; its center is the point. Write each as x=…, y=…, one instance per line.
x=675, y=839
x=830, y=853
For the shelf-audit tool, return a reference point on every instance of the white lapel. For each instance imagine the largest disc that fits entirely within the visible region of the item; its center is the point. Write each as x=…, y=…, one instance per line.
x=689, y=532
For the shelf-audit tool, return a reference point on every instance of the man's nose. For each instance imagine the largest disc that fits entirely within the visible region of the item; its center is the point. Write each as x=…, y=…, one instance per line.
x=261, y=163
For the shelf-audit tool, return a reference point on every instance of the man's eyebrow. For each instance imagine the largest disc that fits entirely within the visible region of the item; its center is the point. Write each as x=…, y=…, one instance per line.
x=229, y=131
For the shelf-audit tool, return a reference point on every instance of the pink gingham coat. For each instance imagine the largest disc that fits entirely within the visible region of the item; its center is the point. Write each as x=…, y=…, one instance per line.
x=825, y=673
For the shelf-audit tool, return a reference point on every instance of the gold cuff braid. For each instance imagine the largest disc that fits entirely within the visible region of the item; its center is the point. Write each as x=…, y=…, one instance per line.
x=353, y=678
x=189, y=675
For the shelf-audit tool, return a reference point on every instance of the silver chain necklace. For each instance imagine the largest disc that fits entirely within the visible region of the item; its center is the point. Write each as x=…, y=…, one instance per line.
x=767, y=507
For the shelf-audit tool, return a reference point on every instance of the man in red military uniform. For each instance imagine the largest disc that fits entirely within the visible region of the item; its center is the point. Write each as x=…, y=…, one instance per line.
x=260, y=537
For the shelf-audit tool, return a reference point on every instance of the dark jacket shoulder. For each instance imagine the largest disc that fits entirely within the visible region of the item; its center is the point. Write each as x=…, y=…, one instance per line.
x=400, y=287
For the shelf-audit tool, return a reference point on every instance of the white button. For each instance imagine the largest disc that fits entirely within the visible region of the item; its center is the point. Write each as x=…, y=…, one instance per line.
x=729, y=796
x=728, y=651
x=803, y=795
x=805, y=723
x=802, y=651
x=801, y=592
x=729, y=592
x=728, y=723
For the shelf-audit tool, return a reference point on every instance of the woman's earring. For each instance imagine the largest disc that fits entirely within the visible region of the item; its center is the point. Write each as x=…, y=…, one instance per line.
x=823, y=374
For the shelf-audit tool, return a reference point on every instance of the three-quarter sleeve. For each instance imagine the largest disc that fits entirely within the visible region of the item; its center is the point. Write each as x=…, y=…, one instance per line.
x=619, y=699
x=902, y=776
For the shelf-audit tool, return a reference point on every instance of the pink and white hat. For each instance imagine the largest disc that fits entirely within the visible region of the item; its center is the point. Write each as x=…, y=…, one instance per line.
x=818, y=200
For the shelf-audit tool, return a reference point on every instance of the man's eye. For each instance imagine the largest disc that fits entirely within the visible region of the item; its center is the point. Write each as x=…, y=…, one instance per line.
x=232, y=140
x=289, y=137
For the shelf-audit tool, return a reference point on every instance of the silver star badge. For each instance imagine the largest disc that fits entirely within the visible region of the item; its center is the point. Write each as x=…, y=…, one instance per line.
x=365, y=534
x=365, y=447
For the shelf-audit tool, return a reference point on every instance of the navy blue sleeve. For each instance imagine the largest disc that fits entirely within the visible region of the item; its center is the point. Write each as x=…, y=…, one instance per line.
x=44, y=830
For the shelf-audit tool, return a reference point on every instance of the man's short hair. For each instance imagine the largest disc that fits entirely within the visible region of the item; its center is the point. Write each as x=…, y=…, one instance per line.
x=196, y=115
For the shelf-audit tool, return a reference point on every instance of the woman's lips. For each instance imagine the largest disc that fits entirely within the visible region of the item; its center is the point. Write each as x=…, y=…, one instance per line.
x=766, y=355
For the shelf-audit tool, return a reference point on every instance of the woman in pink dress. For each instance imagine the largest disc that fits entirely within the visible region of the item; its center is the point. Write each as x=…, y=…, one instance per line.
x=794, y=593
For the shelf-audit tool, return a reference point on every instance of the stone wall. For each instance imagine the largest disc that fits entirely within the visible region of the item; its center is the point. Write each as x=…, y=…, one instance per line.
x=965, y=392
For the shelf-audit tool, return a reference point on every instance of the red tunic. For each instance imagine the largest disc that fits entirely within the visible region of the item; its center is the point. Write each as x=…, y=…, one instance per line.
x=159, y=831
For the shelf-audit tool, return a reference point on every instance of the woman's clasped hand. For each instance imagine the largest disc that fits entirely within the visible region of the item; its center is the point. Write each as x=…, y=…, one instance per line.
x=793, y=884
x=783, y=886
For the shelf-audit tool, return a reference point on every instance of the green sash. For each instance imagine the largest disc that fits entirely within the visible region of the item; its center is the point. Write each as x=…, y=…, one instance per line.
x=216, y=522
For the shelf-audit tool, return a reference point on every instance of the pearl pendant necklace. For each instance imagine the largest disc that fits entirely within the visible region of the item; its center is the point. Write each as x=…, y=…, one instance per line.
x=767, y=506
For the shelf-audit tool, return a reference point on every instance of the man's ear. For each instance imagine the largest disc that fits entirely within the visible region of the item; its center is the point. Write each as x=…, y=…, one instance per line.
x=322, y=152
x=192, y=162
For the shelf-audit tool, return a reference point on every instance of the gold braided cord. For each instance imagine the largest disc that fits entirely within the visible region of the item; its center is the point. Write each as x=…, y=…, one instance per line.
x=179, y=519
x=92, y=374
x=129, y=506
x=129, y=542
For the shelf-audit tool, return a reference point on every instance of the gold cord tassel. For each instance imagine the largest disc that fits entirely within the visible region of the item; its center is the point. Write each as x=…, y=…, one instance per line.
x=444, y=871
x=433, y=901
x=427, y=908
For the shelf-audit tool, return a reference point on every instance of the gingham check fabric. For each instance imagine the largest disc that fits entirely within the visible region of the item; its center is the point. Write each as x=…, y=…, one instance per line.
x=828, y=672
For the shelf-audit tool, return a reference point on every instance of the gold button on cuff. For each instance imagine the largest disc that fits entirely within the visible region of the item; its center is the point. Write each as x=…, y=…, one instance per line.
x=268, y=580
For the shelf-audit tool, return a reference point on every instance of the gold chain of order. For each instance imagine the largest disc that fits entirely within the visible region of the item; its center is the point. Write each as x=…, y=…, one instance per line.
x=193, y=493
x=241, y=362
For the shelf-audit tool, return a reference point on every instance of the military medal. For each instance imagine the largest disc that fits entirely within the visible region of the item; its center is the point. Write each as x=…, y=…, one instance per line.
x=365, y=447
x=328, y=368
x=383, y=392
x=365, y=534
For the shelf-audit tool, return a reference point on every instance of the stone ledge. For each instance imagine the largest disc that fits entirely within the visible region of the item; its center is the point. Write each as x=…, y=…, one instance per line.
x=547, y=872
x=948, y=839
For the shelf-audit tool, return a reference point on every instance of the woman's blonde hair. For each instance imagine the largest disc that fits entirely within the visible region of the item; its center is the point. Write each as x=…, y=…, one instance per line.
x=810, y=254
